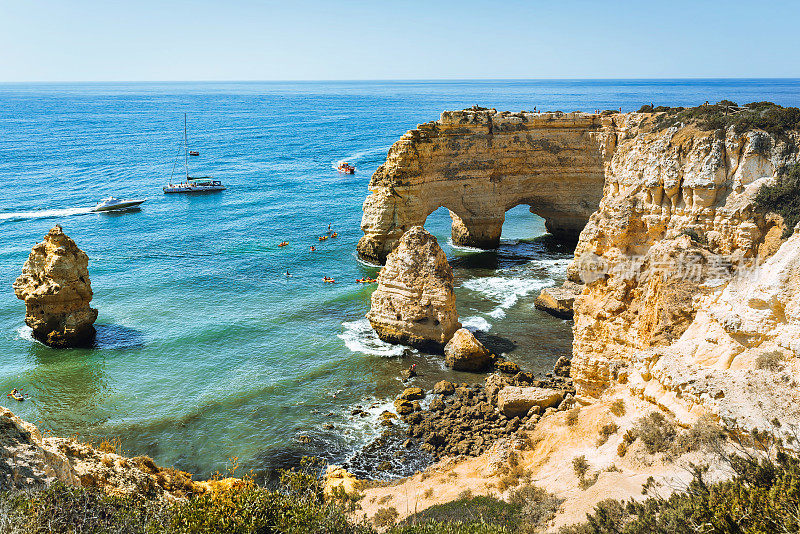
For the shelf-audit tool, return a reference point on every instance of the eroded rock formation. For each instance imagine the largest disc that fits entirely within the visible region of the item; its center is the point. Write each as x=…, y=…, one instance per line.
x=677, y=217
x=414, y=303
x=479, y=164
x=57, y=291
x=29, y=461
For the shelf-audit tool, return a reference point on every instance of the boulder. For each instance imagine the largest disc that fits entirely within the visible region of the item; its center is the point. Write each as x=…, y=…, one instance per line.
x=403, y=407
x=414, y=303
x=56, y=289
x=465, y=353
x=443, y=387
x=339, y=481
x=516, y=401
x=558, y=301
x=507, y=367
x=412, y=394
x=562, y=367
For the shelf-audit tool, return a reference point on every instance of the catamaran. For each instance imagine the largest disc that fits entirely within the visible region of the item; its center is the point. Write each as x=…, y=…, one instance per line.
x=192, y=184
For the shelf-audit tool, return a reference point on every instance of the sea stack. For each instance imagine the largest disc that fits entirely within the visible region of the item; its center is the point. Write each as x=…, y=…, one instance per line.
x=414, y=303
x=57, y=291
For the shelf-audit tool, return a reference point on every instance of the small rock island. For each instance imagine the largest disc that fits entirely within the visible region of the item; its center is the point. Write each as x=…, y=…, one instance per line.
x=57, y=291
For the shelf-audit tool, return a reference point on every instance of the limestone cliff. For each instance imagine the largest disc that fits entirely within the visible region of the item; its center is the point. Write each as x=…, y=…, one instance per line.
x=56, y=289
x=481, y=163
x=677, y=215
x=414, y=303
x=669, y=222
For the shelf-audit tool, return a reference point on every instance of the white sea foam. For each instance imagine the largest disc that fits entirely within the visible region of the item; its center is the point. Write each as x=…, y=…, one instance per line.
x=359, y=336
x=357, y=156
x=505, y=291
x=476, y=323
x=462, y=247
x=43, y=214
x=25, y=332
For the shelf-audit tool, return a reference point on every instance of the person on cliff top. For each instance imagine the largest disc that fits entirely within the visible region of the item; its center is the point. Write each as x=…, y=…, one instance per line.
x=412, y=371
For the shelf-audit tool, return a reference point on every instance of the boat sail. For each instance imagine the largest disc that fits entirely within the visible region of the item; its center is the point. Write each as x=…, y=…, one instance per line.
x=192, y=184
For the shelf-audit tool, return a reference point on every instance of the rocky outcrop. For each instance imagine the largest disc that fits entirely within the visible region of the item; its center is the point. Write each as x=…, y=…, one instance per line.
x=28, y=461
x=677, y=217
x=465, y=353
x=479, y=164
x=414, y=303
x=516, y=401
x=558, y=301
x=57, y=291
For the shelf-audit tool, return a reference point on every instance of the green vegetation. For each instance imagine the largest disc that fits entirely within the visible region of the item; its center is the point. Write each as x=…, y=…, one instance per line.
x=766, y=116
x=783, y=198
x=763, y=497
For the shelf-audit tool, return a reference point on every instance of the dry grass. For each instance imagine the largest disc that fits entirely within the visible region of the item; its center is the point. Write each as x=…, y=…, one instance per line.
x=606, y=431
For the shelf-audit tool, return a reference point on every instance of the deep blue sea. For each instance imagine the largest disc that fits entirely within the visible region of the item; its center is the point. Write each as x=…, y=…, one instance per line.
x=206, y=351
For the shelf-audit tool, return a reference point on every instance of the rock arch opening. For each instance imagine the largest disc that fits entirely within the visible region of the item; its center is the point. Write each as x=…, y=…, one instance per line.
x=480, y=164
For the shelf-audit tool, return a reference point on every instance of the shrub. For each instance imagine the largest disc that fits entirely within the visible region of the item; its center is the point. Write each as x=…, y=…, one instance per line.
x=480, y=509
x=770, y=361
x=606, y=431
x=704, y=434
x=572, y=416
x=656, y=432
x=765, y=116
x=581, y=466
x=618, y=407
x=537, y=506
x=762, y=497
x=385, y=517
x=783, y=198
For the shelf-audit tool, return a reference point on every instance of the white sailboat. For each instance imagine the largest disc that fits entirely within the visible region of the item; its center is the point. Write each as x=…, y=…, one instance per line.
x=192, y=184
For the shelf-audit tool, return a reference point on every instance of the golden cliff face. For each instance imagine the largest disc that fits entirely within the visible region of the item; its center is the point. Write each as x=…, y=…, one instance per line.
x=481, y=163
x=669, y=235
x=676, y=220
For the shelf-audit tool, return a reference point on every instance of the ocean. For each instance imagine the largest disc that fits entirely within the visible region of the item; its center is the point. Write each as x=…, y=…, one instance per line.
x=207, y=355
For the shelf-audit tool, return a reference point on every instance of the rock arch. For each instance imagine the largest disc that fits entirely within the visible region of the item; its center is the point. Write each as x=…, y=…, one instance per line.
x=479, y=164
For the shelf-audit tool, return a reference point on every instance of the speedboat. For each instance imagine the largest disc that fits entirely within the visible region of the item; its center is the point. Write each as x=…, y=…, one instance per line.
x=116, y=204
x=346, y=168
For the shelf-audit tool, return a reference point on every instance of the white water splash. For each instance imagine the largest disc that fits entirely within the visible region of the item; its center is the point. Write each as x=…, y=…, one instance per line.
x=505, y=291
x=25, y=332
x=476, y=323
x=43, y=214
x=359, y=336
x=356, y=156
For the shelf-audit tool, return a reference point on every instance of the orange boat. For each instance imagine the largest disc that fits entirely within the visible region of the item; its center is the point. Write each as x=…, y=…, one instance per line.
x=346, y=168
x=283, y=244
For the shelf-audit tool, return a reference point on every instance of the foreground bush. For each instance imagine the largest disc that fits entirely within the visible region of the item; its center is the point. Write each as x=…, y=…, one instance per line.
x=762, y=498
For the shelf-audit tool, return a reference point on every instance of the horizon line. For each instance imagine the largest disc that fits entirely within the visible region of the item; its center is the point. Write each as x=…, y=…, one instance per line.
x=409, y=80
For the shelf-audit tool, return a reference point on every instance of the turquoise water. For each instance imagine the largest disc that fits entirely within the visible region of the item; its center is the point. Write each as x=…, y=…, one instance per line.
x=205, y=350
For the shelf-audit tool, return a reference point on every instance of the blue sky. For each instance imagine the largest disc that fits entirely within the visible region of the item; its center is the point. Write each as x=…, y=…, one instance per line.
x=81, y=40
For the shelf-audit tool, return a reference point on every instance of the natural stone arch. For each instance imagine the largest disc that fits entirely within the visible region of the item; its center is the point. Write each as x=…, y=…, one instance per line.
x=481, y=163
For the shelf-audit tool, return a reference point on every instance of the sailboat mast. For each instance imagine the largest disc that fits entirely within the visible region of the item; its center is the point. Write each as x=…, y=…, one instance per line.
x=185, y=148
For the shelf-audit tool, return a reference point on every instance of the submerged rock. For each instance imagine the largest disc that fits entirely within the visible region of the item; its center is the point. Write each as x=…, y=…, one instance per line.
x=465, y=353
x=56, y=289
x=414, y=303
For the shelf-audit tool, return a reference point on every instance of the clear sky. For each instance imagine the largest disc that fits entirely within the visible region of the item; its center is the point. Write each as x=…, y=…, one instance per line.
x=82, y=40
